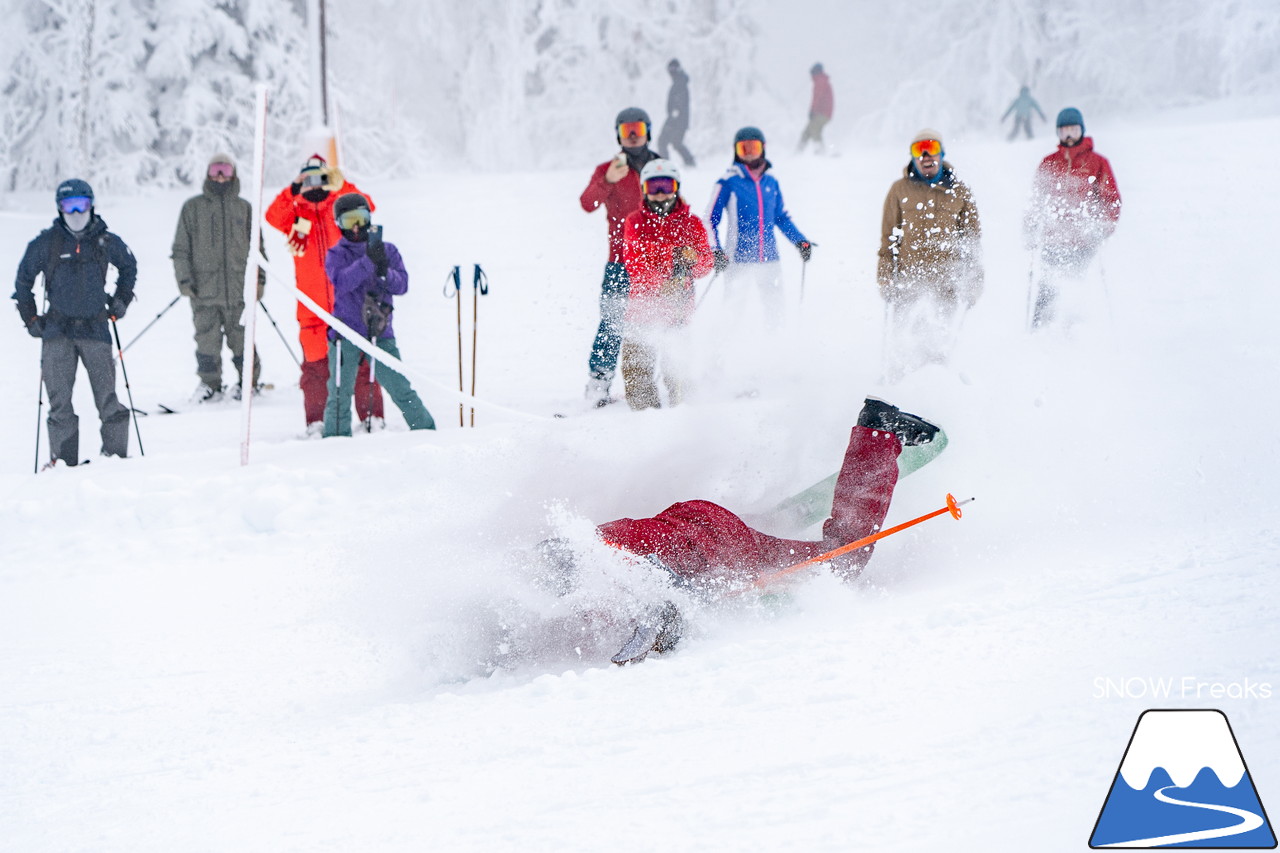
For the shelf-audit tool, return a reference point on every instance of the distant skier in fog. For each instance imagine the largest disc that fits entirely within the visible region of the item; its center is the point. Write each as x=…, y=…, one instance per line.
x=615, y=184
x=1021, y=110
x=1075, y=205
x=821, y=108
x=930, y=264
x=677, y=123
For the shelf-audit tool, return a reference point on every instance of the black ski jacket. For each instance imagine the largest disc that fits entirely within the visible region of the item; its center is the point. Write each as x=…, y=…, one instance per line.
x=75, y=279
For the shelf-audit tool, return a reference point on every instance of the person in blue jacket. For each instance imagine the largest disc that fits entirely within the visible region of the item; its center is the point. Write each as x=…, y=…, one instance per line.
x=73, y=256
x=366, y=274
x=749, y=200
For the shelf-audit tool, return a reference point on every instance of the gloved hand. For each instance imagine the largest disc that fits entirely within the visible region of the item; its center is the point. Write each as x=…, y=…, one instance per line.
x=683, y=260
x=298, y=236
x=185, y=288
x=262, y=282
x=377, y=251
x=35, y=327
x=721, y=260
x=806, y=250
x=118, y=307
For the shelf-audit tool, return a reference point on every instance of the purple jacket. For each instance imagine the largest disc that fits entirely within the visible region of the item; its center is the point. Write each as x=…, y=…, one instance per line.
x=352, y=274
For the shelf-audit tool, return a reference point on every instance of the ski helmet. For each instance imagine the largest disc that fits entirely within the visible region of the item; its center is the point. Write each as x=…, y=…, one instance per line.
x=816, y=69
x=1070, y=115
x=73, y=188
x=633, y=114
x=659, y=168
x=346, y=203
x=748, y=133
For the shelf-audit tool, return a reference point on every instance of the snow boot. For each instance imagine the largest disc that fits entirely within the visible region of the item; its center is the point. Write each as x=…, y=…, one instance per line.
x=205, y=393
x=597, y=392
x=911, y=429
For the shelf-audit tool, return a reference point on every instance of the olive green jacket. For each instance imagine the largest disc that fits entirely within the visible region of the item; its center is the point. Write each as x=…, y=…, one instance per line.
x=211, y=245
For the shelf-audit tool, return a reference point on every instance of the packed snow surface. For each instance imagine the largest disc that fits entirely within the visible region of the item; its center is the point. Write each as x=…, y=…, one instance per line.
x=310, y=653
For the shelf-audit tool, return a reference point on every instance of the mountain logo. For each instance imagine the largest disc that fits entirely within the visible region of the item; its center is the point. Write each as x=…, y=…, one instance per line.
x=1183, y=783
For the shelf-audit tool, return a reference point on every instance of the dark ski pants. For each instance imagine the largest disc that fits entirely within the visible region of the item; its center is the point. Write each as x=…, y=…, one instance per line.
x=613, y=304
x=1058, y=265
x=214, y=323
x=344, y=361
x=672, y=136
x=1021, y=123
x=58, y=360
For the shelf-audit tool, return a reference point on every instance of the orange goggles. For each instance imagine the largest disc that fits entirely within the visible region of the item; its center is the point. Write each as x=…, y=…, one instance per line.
x=749, y=149
x=633, y=128
x=921, y=147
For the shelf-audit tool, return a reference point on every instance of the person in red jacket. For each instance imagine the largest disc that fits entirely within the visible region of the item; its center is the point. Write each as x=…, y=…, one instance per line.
x=821, y=107
x=616, y=185
x=304, y=211
x=665, y=249
x=709, y=551
x=1075, y=206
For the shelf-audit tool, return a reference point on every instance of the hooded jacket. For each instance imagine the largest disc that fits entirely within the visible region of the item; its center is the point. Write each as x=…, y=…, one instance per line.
x=211, y=244
x=1075, y=203
x=930, y=237
x=650, y=241
x=754, y=208
x=354, y=275
x=75, y=279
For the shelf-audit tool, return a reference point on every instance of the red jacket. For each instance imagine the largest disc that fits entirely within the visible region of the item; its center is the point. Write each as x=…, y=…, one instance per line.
x=700, y=538
x=824, y=100
x=309, y=266
x=619, y=200
x=650, y=242
x=1075, y=202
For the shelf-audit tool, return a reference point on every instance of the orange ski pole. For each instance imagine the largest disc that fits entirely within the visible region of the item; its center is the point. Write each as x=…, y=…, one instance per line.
x=952, y=507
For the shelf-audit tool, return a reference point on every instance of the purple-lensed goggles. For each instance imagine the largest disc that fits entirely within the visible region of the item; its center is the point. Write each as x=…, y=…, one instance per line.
x=75, y=204
x=221, y=170
x=666, y=186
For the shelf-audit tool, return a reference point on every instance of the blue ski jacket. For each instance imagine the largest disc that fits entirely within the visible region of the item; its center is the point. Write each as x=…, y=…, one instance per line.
x=754, y=209
x=75, y=270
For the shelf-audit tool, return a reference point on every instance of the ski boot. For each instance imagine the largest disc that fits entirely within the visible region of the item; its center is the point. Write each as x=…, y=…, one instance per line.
x=911, y=430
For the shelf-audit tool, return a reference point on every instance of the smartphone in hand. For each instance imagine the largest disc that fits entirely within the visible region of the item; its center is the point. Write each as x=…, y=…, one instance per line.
x=375, y=235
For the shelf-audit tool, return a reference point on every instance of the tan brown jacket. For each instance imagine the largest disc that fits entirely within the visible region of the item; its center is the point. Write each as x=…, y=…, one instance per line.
x=930, y=238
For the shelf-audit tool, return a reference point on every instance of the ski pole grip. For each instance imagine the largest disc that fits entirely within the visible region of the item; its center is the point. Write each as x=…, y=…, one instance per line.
x=454, y=275
x=480, y=281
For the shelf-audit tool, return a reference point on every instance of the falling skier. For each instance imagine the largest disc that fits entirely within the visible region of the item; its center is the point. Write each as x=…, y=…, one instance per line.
x=709, y=551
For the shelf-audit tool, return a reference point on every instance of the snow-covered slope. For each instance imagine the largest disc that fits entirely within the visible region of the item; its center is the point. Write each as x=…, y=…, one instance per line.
x=295, y=655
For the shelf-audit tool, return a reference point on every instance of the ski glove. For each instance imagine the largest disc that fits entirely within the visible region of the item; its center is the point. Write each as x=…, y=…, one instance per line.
x=35, y=327
x=118, y=307
x=683, y=260
x=298, y=236
x=806, y=250
x=721, y=260
x=377, y=252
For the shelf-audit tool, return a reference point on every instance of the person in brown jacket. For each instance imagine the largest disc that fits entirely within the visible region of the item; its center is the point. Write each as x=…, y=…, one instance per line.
x=930, y=256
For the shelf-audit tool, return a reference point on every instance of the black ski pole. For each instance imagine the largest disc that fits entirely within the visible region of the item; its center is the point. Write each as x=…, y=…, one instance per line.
x=285, y=340
x=39, y=417
x=479, y=287
x=153, y=322
x=129, y=391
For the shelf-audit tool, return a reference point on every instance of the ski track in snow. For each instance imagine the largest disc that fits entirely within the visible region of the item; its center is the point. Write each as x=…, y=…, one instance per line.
x=294, y=655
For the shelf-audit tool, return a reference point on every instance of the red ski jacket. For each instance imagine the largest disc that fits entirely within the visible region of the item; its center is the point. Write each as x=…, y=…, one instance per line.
x=619, y=201
x=824, y=99
x=1075, y=202
x=700, y=539
x=650, y=242
x=288, y=210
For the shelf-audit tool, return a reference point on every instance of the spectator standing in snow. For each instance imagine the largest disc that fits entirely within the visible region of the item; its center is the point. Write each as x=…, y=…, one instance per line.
x=616, y=185
x=366, y=274
x=821, y=108
x=930, y=255
x=210, y=251
x=1075, y=206
x=677, y=123
x=304, y=211
x=1021, y=109
x=665, y=250
x=73, y=256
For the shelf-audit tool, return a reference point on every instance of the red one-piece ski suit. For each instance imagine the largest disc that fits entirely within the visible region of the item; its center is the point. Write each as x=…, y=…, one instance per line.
x=700, y=538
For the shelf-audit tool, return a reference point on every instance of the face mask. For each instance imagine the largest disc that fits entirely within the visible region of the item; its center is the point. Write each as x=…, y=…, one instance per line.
x=316, y=195
x=662, y=206
x=77, y=221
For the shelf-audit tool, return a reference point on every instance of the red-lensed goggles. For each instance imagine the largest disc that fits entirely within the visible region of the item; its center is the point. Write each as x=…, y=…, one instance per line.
x=749, y=149
x=75, y=204
x=656, y=186
x=633, y=128
x=221, y=170
x=921, y=147
x=357, y=217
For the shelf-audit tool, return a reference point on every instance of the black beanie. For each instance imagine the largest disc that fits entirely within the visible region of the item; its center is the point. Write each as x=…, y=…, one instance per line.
x=349, y=201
